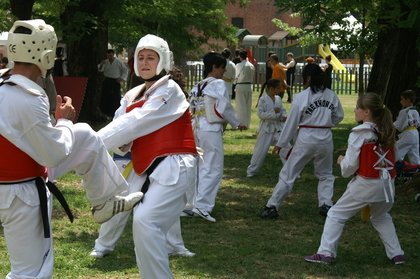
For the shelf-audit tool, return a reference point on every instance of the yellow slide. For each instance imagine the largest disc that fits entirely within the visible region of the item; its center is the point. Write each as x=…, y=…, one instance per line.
x=324, y=51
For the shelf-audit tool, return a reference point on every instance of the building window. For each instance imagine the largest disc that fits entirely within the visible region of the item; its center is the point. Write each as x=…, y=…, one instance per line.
x=238, y=22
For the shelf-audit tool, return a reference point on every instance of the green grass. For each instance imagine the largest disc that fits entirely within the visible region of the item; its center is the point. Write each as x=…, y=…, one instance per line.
x=241, y=245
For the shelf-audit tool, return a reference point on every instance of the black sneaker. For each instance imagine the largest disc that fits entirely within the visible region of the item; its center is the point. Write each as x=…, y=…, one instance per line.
x=323, y=210
x=269, y=213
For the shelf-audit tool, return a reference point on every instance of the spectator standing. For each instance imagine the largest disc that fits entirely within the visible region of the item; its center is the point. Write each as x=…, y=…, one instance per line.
x=290, y=68
x=328, y=72
x=229, y=75
x=278, y=73
x=115, y=72
x=244, y=80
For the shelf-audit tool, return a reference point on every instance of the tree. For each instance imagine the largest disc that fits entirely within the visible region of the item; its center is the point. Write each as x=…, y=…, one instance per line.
x=86, y=26
x=391, y=27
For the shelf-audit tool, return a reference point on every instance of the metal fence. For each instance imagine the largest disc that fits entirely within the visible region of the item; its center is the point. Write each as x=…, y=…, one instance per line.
x=343, y=82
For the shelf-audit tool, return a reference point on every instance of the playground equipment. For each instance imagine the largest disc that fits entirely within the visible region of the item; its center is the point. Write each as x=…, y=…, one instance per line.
x=324, y=51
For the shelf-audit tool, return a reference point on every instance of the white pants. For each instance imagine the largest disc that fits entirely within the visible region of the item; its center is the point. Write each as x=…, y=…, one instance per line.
x=31, y=255
x=243, y=98
x=262, y=145
x=408, y=144
x=210, y=169
x=345, y=208
x=322, y=155
x=155, y=216
x=111, y=231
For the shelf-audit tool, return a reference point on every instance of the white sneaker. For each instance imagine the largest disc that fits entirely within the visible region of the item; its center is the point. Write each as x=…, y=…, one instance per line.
x=187, y=213
x=99, y=254
x=203, y=214
x=184, y=253
x=103, y=212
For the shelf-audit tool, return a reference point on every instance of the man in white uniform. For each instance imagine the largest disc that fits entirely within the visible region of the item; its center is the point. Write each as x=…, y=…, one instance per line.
x=244, y=79
x=29, y=144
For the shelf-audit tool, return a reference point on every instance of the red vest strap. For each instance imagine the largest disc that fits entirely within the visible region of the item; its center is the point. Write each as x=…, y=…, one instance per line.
x=175, y=138
x=16, y=165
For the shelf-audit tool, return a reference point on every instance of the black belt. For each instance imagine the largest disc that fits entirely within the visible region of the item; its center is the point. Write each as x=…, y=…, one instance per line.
x=43, y=201
x=244, y=83
x=149, y=171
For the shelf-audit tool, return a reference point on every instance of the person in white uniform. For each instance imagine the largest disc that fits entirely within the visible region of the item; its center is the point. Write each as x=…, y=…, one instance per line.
x=230, y=74
x=154, y=123
x=243, y=87
x=31, y=148
x=272, y=115
x=111, y=231
x=313, y=113
x=211, y=108
x=370, y=156
x=407, y=123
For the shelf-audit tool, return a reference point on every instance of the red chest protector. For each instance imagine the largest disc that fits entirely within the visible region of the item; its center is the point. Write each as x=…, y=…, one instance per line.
x=175, y=138
x=372, y=158
x=16, y=165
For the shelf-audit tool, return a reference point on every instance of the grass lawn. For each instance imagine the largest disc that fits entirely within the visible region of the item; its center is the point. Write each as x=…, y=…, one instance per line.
x=240, y=245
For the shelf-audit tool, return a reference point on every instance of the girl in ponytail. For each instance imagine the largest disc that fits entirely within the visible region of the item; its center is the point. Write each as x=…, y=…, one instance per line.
x=369, y=155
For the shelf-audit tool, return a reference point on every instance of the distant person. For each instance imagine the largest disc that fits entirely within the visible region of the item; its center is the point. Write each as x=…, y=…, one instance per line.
x=268, y=73
x=244, y=80
x=235, y=61
x=407, y=123
x=369, y=159
x=229, y=75
x=328, y=72
x=278, y=73
x=290, y=68
x=60, y=64
x=115, y=73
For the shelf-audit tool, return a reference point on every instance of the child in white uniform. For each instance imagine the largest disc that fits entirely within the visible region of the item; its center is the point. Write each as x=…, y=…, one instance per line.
x=313, y=113
x=407, y=122
x=209, y=133
x=369, y=155
x=272, y=115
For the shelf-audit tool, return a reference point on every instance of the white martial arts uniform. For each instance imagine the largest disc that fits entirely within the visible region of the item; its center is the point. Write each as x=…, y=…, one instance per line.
x=243, y=97
x=229, y=77
x=111, y=231
x=360, y=192
x=24, y=121
x=407, y=122
x=209, y=137
x=311, y=117
x=271, y=125
x=166, y=198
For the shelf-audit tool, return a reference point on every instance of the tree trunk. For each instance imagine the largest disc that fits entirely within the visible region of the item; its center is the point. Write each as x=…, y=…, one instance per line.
x=395, y=66
x=22, y=9
x=361, y=89
x=85, y=53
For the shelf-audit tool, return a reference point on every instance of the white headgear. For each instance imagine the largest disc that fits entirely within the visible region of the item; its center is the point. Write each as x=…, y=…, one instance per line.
x=161, y=47
x=36, y=48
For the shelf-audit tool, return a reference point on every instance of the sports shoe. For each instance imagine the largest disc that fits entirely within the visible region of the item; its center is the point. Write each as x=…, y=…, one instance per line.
x=269, y=213
x=187, y=213
x=203, y=214
x=323, y=210
x=99, y=254
x=417, y=197
x=399, y=259
x=249, y=175
x=183, y=253
x=103, y=212
x=319, y=258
